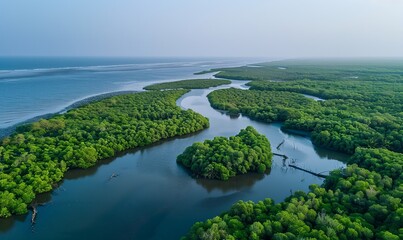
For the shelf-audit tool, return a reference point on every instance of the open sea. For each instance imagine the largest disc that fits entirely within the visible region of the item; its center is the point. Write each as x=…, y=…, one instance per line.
x=33, y=86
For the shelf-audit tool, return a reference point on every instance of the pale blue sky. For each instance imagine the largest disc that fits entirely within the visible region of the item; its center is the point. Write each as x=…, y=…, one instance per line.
x=263, y=28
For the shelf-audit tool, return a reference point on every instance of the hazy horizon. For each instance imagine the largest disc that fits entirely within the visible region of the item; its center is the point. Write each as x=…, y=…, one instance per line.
x=282, y=29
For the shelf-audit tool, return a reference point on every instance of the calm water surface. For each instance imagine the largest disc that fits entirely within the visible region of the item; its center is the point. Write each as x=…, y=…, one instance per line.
x=154, y=198
x=35, y=86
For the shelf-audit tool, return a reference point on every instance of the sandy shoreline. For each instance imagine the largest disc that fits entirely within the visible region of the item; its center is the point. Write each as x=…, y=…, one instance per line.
x=9, y=130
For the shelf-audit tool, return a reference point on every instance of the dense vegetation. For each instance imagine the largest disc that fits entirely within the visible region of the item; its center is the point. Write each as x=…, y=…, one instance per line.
x=35, y=158
x=362, y=115
x=222, y=158
x=188, y=84
x=339, y=124
x=376, y=92
x=353, y=203
x=365, y=70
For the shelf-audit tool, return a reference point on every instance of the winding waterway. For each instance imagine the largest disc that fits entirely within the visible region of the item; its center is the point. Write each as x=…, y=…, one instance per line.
x=154, y=198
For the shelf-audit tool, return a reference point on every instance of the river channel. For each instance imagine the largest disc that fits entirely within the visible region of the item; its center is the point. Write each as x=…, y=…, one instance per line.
x=154, y=198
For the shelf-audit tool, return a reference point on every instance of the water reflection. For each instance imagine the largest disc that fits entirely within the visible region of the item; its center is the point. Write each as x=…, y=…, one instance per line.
x=237, y=183
x=220, y=200
x=8, y=223
x=325, y=153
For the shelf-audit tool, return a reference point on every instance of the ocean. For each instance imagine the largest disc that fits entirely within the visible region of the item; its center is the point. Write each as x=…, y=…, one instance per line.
x=34, y=86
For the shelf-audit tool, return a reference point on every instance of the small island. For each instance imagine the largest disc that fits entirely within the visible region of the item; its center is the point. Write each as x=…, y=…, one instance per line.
x=223, y=158
x=188, y=84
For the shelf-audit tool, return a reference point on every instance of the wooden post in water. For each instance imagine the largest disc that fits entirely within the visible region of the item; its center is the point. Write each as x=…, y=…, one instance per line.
x=34, y=213
x=281, y=155
x=278, y=147
x=313, y=173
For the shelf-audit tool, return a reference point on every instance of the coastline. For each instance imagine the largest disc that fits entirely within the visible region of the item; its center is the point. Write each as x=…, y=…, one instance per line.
x=7, y=131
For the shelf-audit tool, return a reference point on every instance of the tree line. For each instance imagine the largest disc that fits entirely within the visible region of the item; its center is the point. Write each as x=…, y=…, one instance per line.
x=188, y=84
x=338, y=124
x=334, y=70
